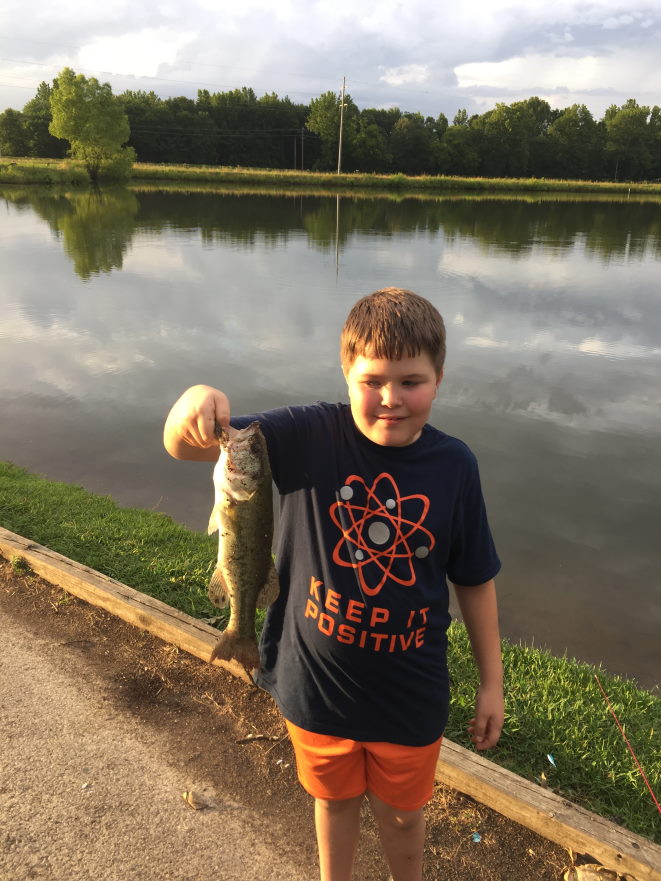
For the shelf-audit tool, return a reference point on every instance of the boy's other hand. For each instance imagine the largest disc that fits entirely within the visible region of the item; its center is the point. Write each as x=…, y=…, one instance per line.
x=485, y=727
x=190, y=427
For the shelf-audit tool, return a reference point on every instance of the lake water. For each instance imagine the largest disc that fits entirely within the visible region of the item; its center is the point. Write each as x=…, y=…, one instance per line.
x=111, y=305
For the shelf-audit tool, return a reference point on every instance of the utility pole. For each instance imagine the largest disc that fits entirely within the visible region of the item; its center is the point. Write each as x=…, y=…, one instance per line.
x=339, y=149
x=302, y=136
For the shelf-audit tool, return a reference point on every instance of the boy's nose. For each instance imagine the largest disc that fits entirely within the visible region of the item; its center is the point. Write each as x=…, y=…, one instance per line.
x=390, y=397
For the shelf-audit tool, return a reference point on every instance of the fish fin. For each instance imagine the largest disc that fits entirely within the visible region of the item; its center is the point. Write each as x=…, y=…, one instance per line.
x=242, y=648
x=218, y=590
x=214, y=521
x=271, y=590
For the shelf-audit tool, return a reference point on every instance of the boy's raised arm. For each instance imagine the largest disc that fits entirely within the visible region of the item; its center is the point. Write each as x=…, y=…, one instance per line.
x=189, y=431
x=480, y=613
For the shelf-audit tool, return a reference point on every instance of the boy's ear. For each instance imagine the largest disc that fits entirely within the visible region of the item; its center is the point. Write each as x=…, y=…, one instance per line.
x=439, y=379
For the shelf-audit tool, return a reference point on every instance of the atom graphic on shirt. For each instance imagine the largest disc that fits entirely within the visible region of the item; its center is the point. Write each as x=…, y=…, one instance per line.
x=381, y=530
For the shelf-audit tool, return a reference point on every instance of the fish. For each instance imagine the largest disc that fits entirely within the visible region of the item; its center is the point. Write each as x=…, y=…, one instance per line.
x=245, y=576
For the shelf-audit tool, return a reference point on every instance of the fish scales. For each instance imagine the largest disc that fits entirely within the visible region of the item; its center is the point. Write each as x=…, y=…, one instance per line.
x=243, y=515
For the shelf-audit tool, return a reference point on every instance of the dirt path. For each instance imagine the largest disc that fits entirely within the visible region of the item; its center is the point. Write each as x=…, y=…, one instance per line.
x=103, y=727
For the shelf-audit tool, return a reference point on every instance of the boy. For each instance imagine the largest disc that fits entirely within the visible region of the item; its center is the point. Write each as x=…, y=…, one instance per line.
x=377, y=508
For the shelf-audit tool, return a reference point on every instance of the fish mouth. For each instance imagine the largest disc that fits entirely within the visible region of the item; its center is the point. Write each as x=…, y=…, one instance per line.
x=221, y=435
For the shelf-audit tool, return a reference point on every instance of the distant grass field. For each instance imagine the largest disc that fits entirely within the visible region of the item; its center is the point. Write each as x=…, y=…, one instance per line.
x=67, y=171
x=554, y=706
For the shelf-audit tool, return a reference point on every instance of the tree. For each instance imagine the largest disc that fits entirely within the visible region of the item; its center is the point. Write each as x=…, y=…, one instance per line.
x=576, y=145
x=461, y=147
x=655, y=142
x=371, y=148
x=87, y=114
x=324, y=120
x=37, y=117
x=628, y=140
x=13, y=139
x=411, y=144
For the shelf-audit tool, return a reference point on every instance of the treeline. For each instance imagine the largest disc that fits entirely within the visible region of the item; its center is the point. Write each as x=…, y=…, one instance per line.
x=523, y=139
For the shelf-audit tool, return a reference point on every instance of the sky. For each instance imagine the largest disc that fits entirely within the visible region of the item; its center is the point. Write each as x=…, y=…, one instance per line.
x=427, y=56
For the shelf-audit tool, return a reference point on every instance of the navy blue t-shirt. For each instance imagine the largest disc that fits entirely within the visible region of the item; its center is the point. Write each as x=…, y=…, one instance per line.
x=355, y=646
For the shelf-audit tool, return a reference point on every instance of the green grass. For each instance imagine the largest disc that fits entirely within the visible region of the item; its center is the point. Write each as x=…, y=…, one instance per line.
x=554, y=705
x=43, y=171
x=144, y=549
x=390, y=182
x=50, y=171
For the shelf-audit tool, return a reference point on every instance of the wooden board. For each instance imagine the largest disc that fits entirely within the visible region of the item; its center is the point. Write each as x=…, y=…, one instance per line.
x=529, y=805
x=130, y=605
x=548, y=814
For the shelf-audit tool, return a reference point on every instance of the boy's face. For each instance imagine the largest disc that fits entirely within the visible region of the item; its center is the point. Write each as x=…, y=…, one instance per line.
x=391, y=400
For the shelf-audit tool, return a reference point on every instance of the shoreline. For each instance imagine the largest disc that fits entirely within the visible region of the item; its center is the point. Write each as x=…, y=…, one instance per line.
x=72, y=173
x=554, y=705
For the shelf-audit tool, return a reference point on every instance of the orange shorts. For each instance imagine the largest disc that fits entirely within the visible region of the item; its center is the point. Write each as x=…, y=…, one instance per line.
x=338, y=768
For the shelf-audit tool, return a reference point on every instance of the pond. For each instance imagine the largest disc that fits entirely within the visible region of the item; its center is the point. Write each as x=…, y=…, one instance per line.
x=113, y=303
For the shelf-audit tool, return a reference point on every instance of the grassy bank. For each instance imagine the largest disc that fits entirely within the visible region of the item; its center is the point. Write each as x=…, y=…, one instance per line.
x=72, y=173
x=554, y=706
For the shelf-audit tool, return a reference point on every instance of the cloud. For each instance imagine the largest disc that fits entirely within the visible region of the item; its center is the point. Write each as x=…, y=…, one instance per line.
x=424, y=55
x=402, y=76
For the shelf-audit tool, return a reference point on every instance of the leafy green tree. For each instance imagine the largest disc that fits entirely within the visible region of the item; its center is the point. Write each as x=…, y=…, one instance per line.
x=324, y=120
x=412, y=145
x=438, y=126
x=575, y=144
x=385, y=118
x=460, y=117
x=13, y=137
x=370, y=148
x=88, y=115
x=37, y=117
x=539, y=116
x=148, y=122
x=506, y=133
x=655, y=142
x=461, y=148
x=628, y=140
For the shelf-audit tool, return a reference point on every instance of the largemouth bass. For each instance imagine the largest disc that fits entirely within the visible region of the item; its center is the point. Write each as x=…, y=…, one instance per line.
x=243, y=515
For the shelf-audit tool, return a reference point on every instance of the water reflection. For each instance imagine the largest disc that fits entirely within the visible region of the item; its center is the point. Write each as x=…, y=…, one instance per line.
x=112, y=303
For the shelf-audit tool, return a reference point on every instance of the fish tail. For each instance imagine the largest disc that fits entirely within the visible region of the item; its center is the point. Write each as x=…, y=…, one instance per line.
x=242, y=648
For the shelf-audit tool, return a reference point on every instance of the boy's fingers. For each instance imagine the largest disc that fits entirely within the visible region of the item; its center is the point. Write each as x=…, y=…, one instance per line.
x=484, y=734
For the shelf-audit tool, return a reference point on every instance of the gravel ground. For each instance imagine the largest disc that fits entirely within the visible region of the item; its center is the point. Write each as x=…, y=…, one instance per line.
x=104, y=727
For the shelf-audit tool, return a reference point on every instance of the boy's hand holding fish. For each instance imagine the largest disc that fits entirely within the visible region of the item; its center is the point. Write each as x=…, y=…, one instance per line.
x=190, y=429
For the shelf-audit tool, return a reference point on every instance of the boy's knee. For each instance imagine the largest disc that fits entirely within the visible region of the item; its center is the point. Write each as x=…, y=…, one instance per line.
x=395, y=819
x=338, y=805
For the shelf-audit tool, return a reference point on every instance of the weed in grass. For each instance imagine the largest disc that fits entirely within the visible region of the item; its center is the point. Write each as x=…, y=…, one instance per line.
x=20, y=566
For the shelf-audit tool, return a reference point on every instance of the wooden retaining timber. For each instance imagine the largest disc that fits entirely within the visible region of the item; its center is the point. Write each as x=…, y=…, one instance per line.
x=530, y=805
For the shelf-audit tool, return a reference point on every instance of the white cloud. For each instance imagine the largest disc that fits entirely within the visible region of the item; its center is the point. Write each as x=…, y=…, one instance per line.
x=137, y=54
x=409, y=73
x=574, y=73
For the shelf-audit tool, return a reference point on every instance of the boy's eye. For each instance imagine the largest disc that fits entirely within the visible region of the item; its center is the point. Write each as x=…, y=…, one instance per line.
x=411, y=382
x=372, y=383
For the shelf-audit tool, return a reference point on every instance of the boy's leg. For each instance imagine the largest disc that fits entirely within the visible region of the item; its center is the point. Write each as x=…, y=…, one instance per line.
x=338, y=826
x=402, y=838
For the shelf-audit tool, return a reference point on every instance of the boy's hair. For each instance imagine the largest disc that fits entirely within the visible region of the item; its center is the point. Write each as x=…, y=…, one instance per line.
x=393, y=323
